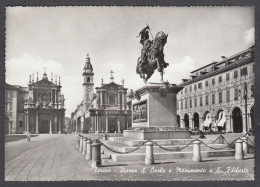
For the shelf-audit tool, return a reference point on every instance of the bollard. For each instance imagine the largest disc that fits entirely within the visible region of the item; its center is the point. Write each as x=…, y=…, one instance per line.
x=104, y=137
x=84, y=147
x=88, y=150
x=102, y=150
x=221, y=139
x=80, y=144
x=239, y=150
x=77, y=142
x=245, y=148
x=149, y=159
x=196, y=151
x=96, y=156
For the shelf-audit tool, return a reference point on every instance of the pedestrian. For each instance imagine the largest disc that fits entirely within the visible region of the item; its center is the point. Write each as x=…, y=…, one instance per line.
x=28, y=136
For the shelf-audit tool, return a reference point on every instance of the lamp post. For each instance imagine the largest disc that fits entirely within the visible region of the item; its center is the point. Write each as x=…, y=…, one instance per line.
x=245, y=97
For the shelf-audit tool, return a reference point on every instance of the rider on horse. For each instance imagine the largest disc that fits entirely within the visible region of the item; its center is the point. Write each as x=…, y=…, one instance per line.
x=152, y=56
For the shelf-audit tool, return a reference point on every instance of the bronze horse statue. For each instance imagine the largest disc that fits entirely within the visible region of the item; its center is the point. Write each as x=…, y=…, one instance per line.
x=152, y=56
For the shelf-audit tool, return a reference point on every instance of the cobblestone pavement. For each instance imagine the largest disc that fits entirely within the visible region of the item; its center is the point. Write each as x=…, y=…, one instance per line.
x=55, y=158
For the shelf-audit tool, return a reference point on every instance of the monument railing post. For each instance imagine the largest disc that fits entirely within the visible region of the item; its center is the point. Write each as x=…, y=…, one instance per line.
x=196, y=151
x=83, y=147
x=149, y=158
x=239, y=155
x=88, y=150
x=244, y=145
x=96, y=155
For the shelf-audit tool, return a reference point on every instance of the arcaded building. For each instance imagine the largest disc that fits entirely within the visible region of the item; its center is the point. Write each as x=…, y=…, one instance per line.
x=103, y=111
x=38, y=108
x=220, y=95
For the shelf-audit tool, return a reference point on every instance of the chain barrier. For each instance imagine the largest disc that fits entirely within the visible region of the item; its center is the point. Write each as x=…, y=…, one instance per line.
x=119, y=152
x=220, y=136
x=178, y=149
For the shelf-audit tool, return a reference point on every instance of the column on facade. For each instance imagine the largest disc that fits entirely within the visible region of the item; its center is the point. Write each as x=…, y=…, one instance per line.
x=191, y=123
x=101, y=99
x=127, y=125
x=118, y=124
x=244, y=120
x=76, y=125
x=25, y=122
x=123, y=99
x=97, y=123
x=55, y=99
x=59, y=116
x=119, y=102
x=182, y=123
x=50, y=132
x=28, y=122
x=37, y=123
x=82, y=123
x=106, y=122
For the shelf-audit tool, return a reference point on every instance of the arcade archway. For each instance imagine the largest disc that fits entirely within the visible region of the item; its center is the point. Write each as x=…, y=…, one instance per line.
x=196, y=121
x=237, y=120
x=186, y=121
x=178, y=120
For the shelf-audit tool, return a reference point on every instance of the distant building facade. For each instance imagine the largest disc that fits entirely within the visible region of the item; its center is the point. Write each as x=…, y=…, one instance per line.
x=103, y=111
x=219, y=95
x=38, y=108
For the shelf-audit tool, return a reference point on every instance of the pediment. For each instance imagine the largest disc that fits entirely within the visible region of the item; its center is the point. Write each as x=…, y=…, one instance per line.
x=43, y=83
x=112, y=85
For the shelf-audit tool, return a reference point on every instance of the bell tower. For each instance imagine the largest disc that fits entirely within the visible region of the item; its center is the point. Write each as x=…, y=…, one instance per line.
x=88, y=84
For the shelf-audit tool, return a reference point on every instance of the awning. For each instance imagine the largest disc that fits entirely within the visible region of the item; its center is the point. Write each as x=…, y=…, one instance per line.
x=221, y=119
x=207, y=121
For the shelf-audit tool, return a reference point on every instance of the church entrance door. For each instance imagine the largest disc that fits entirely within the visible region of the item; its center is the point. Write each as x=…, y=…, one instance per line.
x=112, y=124
x=44, y=126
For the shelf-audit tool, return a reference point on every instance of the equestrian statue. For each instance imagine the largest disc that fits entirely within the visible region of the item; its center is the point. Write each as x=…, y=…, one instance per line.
x=152, y=56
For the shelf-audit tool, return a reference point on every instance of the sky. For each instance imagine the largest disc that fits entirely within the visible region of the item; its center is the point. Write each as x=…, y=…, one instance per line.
x=59, y=39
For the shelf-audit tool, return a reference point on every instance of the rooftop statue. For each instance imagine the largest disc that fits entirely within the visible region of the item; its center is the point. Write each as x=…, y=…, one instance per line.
x=152, y=56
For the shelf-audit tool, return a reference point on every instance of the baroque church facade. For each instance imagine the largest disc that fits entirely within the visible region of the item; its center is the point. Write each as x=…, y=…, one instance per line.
x=104, y=110
x=38, y=108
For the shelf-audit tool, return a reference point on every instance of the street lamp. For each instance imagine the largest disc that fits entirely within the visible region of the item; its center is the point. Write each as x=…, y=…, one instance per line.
x=245, y=97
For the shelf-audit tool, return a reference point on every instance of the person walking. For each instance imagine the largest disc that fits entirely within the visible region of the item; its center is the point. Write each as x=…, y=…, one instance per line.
x=28, y=135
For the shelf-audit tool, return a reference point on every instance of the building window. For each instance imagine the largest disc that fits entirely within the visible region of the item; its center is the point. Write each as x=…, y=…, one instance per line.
x=206, y=83
x=88, y=79
x=252, y=90
x=207, y=100
x=181, y=91
x=236, y=94
x=190, y=88
x=200, y=85
x=213, y=99
x=213, y=81
x=178, y=104
x=243, y=71
x=235, y=74
x=227, y=77
x=20, y=123
x=195, y=87
x=186, y=104
x=220, y=79
x=220, y=97
x=190, y=103
x=195, y=102
x=228, y=95
x=185, y=90
x=112, y=100
x=201, y=104
x=181, y=104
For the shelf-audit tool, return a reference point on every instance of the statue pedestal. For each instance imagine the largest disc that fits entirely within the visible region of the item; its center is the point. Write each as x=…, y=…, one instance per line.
x=154, y=113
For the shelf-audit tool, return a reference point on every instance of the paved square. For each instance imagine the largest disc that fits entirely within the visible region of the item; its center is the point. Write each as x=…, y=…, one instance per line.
x=55, y=158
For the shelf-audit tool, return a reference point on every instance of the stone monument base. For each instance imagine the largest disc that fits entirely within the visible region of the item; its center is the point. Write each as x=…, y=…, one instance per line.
x=156, y=133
